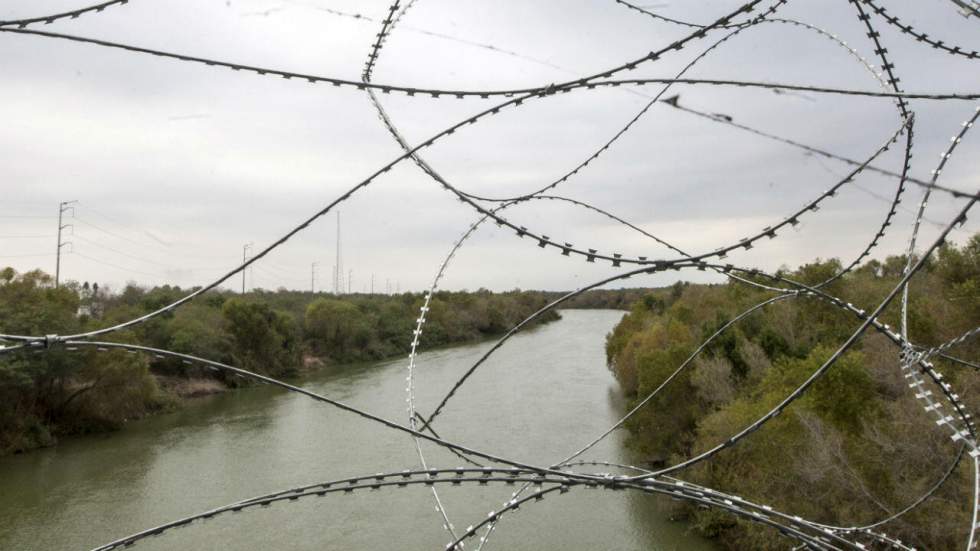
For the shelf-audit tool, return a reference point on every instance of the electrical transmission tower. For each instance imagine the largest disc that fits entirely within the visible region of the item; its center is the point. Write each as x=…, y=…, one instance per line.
x=245, y=249
x=62, y=208
x=338, y=275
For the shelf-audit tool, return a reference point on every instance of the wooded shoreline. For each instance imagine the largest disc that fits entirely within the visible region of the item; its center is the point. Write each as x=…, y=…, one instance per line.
x=277, y=333
x=855, y=448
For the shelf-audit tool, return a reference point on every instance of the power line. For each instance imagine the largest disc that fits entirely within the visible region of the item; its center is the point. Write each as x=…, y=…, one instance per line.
x=111, y=233
x=127, y=227
x=37, y=255
x=119, y=252
x=163, y=249
x=112, y=265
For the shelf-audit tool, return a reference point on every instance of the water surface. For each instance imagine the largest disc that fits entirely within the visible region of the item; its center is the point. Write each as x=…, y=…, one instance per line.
x=541, y=397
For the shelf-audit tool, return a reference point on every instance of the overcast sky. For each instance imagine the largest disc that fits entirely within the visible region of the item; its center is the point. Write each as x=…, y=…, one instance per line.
x=175, y=166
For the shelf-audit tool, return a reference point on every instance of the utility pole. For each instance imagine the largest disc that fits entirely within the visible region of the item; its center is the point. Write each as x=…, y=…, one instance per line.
x=62, y=208
x=338, y=267
x=313, y=277
x=350, y=277
x=245, y=249
x=372, y=284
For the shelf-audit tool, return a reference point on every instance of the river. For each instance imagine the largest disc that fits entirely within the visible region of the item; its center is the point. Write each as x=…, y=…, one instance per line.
x=541, y=397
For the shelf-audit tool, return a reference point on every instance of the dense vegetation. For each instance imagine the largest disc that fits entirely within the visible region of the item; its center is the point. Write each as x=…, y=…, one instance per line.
x=856, y=448
x=608, y=299
x=277, y=333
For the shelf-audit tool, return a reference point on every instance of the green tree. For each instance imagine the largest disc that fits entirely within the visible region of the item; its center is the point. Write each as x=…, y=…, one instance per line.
x=264, y=340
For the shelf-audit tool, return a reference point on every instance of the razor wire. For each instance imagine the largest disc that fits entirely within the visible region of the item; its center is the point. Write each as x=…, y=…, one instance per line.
x=73, y=14
x=560, y=477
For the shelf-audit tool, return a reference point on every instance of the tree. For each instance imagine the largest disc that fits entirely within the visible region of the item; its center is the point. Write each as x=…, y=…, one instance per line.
x=335, y=328
x=264, y=340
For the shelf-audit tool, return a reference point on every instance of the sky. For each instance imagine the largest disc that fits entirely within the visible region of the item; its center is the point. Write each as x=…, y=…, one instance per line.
x=175, y=166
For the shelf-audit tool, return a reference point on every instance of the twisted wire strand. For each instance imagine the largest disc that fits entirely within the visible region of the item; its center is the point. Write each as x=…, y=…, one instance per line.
x=947, y=475
x=376, y=47
x=73, y=14
x=910, y=251
x=482, y=477
x=956, y=360
x=887, y=67
x=794, y=527
x=584, y=82
x=968, y=7
x=939, y=350
x=362, y=85
x=920, y=36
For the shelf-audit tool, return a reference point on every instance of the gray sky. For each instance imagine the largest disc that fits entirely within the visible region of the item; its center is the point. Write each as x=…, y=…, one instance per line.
x=176, y=166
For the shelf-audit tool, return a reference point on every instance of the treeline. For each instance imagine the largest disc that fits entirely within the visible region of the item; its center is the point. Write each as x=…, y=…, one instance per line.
x=603, y=299
x=61, y=392
x=856, y=448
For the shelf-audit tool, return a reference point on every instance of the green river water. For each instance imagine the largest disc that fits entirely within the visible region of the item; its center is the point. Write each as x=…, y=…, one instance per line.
x=541, y=397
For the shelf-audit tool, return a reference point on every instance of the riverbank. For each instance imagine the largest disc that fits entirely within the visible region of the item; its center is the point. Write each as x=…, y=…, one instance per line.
x=169, y=392
x=855, y=447
x=280, y=334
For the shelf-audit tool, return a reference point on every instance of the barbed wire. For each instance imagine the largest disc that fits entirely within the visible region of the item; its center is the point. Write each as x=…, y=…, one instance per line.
x=590, y=82
x=74, y=14
x=920, y=36
x=539, y=482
